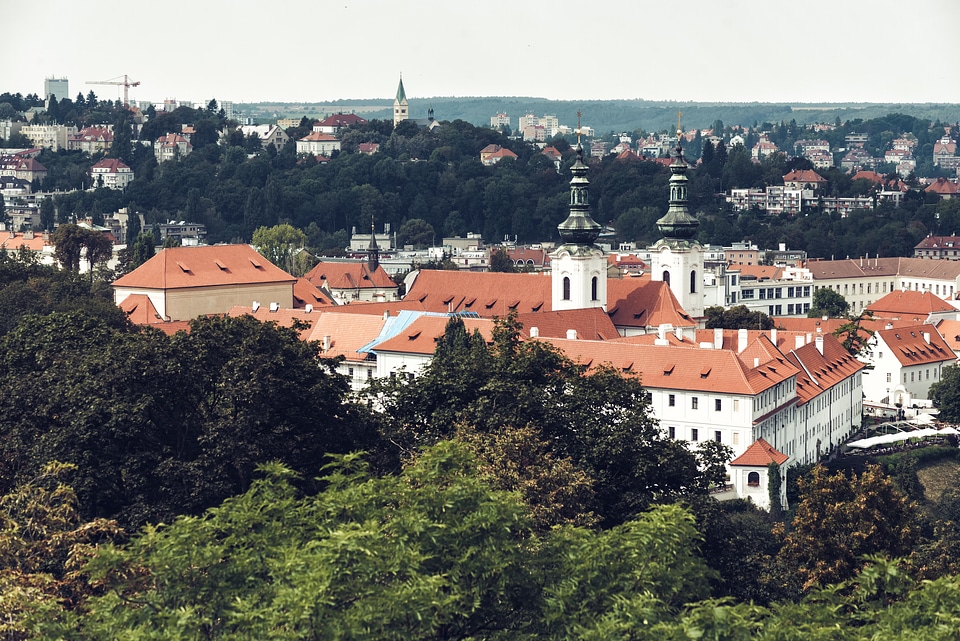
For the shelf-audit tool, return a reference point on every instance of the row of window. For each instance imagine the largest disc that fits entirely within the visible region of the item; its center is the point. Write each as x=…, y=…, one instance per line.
x=695, y=403
x=695, y=435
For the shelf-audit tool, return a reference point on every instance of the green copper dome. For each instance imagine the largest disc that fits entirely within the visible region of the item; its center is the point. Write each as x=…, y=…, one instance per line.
x=678, y=223
x=579, y=228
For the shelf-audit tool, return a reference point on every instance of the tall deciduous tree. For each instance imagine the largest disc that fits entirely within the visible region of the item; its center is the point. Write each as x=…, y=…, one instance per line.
x=827, y=302
x=841, y=519
x=280, y=244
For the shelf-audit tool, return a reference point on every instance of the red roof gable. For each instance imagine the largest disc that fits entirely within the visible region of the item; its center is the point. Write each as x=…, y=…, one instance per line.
x=349, y=275
x=909, y=303
x=760, y=454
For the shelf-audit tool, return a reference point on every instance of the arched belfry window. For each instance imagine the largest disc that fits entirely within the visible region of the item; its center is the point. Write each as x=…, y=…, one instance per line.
x=666, y=277
x=753, y=479
x=593, y=288
x=693, y=282
x=566, y=288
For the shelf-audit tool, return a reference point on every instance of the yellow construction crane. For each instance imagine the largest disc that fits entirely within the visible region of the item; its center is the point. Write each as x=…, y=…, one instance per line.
x=126, y=82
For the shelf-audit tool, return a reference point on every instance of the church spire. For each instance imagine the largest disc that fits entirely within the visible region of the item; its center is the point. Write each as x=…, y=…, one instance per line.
x=678, y=225
x=400, y=106
x=373, y=251
x=579, y=228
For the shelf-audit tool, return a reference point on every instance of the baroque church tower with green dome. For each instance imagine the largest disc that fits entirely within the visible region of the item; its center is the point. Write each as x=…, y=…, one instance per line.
x=678, y=259
x=578, y=266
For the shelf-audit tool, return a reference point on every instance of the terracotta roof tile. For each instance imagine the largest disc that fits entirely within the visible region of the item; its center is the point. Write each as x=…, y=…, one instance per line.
x=204, y=266
x=760, y=454
x=349, y=275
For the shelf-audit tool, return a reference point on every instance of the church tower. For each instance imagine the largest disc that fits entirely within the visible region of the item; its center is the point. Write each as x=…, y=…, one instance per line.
x=373, y=250
x=677, y=258
x=401, y=110
x=579, y=267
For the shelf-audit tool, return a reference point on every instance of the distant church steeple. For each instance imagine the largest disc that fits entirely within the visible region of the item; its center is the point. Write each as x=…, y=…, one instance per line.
x=677, y=258
x=373, y=251
x=400, y=107
x=578, y=265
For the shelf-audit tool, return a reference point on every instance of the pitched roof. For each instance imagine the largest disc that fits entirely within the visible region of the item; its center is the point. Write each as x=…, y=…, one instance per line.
x=867, y=267
x=804, y=175
x=671, y=367
x=12, y=241
x=317, y=136
x=760, y=454
x=488, y=294
x=938, y=242
x=141, y=311
x=204, y=266
x=589, y=324
x=420, y=336
x=944, y=187
x=821, y=372
x=347, y=333
x=112, y=165
x=349, y=275
x=282, y=317
x=910, y=346
x=633, y=302
x=950, y=330
x=304, y=293
x=909, y=303
x=341, y=120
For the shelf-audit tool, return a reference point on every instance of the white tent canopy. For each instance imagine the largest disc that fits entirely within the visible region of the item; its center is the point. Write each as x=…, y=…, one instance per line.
x=900, y=436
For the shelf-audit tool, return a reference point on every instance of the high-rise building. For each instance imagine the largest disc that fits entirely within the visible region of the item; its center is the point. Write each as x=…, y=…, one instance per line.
x=59, y=87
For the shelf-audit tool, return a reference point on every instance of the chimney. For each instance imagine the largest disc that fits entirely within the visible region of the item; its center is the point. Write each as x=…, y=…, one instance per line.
x=741, y=340
x=773, y=336
x=308, y=308
x=926, y=337
x=756, y=362
x=888, y=326
x=820, y=343
x=256, y=306
x=717, y=338
x=679, y=333
x=809, y=338
x=571, y=334
x=326, y=342
x=799, y=342
x=534, y=332
x=386, y=314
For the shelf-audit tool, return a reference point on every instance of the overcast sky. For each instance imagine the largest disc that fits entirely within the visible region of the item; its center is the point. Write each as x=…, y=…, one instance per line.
x=307, y=51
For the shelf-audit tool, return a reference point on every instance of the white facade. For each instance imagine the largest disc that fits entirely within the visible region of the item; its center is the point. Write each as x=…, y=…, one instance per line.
x=683, y=270
x=579, y=278
x=54, y=137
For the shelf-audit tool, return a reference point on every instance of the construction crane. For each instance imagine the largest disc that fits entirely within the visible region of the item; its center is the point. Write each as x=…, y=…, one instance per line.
x=126, y=82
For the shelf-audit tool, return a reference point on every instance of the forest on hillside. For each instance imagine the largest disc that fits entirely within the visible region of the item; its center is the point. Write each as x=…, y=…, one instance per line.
x=428, y=184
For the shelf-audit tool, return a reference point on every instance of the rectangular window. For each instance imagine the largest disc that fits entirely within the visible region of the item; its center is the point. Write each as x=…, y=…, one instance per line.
x=694, y=434
x=716, y=405
x=671, y=400
x=789, y=292
x=736, y=438
x=672, y=432
x=736, y=405
x=694, y=403
x=746, y=294
x=790, y=309
x=350, y=372
x=716, y=436
x=912, y=374
x=763, y=293
x=889, y=377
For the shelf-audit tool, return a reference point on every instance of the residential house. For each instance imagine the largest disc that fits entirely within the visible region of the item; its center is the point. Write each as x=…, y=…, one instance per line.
x=22, y=167
x=268, y=135
x=171, y=147
x=774, y=290
x=318, y=144
x=185, y=282
x=906, y=361
x=91, y=140
x=492, y=154
x=945, y=153
x=805, y=180
x=944, y=188
x=749, y=473
x=368, y=148
x=938, y=247
x=110, y=173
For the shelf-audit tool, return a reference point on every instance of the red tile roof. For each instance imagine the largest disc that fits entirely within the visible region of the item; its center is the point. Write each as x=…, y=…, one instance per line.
x=633, y=302
x=347, y=333
x=141, y=311
x=341, y=120
x=112, y=165
x=488, y=294
x=909, y=303
x=820, y=372
x=804, y=175
x=944, y=187
x=349, y=275
x=760, y=454
x=910, y=346
x=204, y=266
x=589, y=324
x=420, y=337
x=304, y=293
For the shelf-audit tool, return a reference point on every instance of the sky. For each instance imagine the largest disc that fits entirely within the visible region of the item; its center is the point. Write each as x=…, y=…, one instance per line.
x=309, y=51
